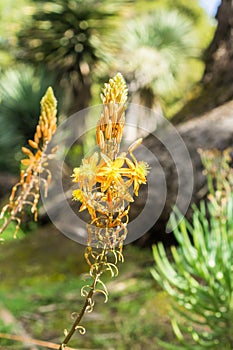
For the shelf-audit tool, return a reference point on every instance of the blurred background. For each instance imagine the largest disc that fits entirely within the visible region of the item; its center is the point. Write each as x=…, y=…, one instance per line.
x=75, y=46
x=169, y=53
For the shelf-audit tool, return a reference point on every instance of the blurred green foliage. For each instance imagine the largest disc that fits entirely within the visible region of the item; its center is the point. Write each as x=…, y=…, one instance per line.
x=164, y=43
x=78, y=39
x=81, y=43
x=21, y=90
x=12, y=14
x=69, y=38
x=41, y=288
x=8, y=234
x=200, y=275
x=203, y=26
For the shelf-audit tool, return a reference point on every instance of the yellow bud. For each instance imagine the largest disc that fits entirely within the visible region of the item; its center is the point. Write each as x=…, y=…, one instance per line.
x=135, y=145
x=111, y=107
x=119, y=134
x=100, y=139
x=27, y=151
x=106, y=115
x=33, y=144
x=108, y=130
x=114, y=114
x=26, y=162
x=38, y=131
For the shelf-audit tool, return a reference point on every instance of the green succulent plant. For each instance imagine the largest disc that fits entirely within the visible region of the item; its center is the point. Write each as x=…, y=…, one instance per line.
x=199, y=277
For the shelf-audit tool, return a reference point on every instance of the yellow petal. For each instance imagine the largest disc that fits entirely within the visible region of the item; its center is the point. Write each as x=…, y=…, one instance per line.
x=77, y=195
x=119, y=161
x=130, y=164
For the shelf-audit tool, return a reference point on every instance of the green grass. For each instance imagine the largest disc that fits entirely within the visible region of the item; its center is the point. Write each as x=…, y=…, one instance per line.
x=41, y=277
x=9, y=233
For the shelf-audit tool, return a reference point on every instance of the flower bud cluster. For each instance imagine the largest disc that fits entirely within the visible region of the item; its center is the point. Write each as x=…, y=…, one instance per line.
x=27, y=192
x=108, y=180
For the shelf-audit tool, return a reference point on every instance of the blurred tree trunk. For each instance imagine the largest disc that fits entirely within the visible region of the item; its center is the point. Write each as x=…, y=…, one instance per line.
x=216, y=86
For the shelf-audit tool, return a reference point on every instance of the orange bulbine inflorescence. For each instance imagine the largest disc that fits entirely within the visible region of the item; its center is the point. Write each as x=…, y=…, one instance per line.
x=26, y=191
x=106, y=180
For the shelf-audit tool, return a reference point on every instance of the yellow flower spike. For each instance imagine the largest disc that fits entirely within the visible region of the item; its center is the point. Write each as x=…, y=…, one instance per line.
x=110, y=127
x=105, y=183
x=111, y=172
x=104, y=189
x=86, y=173
x=26, y=191
x=137, y=173
x=115, y=91
x=45, y=129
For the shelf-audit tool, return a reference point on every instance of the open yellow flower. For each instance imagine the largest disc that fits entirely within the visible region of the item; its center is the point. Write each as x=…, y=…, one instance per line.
x=85, y=175
x=137, y=173
x=111, y=172
x=108, y=182
x=78, y=195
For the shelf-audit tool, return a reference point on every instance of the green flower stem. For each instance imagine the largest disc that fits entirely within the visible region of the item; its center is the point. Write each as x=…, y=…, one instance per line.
x=89, y=297
x=80, y=315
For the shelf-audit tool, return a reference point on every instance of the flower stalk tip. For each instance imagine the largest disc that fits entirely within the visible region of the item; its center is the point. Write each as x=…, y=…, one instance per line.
x=106, y=180
x=26, y=191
